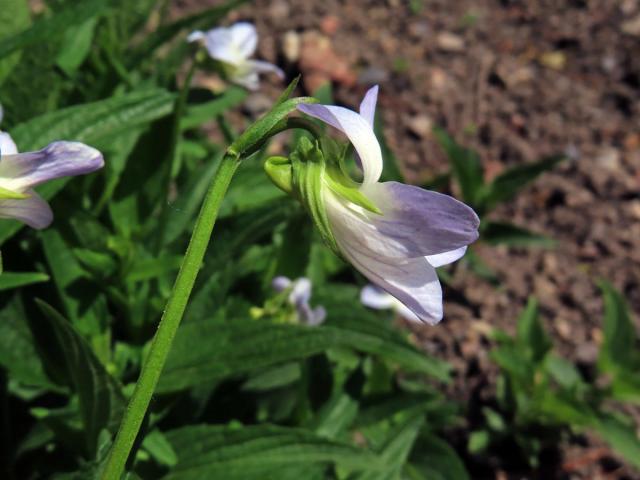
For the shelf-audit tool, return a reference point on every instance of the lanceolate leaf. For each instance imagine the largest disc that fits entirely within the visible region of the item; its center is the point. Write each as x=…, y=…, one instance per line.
x=9, y=280
x=211, y=350
x=499, y=233
x=257, y=452
x=14, y=17
x=101, y=400
x=46, y=28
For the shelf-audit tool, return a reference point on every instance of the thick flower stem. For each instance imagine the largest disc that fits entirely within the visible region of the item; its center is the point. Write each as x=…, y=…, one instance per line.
x=161, y=343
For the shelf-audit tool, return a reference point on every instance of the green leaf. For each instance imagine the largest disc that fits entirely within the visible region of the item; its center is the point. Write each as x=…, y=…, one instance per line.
x=622, y=438
x=506, y=185
x=466, y=166
x=101, y=400
x=159, y=448
x=14, y=17
x=617, y=352
x=9, y=280
x=47, y=28
x=498, y=233
x=396, y=450
x=437, y=460
x=207, y=351
x=531, y=334
x=196, y=115
x=18, y=352
x=256, y=452
x=76, y=45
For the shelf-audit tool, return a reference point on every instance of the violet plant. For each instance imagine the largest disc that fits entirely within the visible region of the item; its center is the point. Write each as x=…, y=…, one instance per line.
x=237, y=380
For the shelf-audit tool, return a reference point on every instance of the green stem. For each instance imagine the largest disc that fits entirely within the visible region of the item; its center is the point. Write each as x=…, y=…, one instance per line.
x=170, y=321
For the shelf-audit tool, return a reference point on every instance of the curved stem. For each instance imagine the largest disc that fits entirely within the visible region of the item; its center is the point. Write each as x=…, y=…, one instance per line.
x=161, y=343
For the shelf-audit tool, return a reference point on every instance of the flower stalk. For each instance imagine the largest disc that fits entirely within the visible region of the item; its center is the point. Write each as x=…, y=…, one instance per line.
x=170, y=321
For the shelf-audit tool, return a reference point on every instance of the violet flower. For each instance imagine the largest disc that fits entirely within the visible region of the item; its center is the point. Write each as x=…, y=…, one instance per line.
x=20, y=172
x=398, y=244
x=299, y=297
x=233, y=47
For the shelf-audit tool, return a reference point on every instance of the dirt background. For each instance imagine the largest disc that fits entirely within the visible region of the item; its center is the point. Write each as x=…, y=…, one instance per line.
x=516, y=81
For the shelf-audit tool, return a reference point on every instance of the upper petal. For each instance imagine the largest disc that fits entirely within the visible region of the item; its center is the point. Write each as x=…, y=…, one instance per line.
x=360, y=134
x=59, y=159
x=244, y=38
x=219, y=44
x=7, y=145
x=34, y=211
x=421, y=221
x=368, y=105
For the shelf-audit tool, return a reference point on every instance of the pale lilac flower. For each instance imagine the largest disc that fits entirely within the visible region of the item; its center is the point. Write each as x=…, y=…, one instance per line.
x=233, y=47
x=299, y=297
x=20, y=172
x=374, y=297
x=416, y=230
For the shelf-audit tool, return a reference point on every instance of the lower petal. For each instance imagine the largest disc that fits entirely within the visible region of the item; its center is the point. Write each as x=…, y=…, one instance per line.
x=446, y=258
x=412, y=281
x=34, y=211
x=58, y=159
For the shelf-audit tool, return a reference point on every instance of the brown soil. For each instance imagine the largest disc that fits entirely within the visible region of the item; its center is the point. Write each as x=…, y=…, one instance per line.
x=516, y=81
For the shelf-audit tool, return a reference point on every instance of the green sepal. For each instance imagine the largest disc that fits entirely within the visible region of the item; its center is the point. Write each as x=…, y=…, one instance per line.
x=309, y=172
x=279, y=171
x=5, y=193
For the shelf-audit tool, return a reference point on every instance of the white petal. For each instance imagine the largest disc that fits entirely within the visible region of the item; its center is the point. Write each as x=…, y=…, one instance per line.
x=405, y=313
x=368, y=105
x=280, y=283
x=244, y=38
x=359, y=132
x=412, y=281
x=195, y=36
x=7, y=145
x=258, y=66
x=34, y=211
x=219, y=44
x=301, y=291
x=446, y=258
x=374, y=297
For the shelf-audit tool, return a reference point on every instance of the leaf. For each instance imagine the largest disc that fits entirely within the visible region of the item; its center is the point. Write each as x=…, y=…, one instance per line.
x=466, y=166
x=76, y=45
x=196, y=115
x=498, y=233
x=206, y=351
x=18, y=352
x=396, y=451
x=437, y=460
x=9, y=280
x=100, y=397
x=506, y=185
x=159, y=448
x=530, y=332
x=617, y=352
x=256, y=452
x=57, y=24
x=14, y=17
x=622, y=438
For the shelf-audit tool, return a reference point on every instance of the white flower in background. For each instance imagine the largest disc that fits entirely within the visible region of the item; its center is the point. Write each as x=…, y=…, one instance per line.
x=233, y=47
x=7, y=145
x=374, y=297
x=394, y=234
x=20, y=172
x=299, y=296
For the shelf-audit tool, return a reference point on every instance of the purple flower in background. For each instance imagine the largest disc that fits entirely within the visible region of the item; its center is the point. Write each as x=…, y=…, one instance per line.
x=299, y=296
x=233, y=46
x=20, y=172
x=415, y=230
